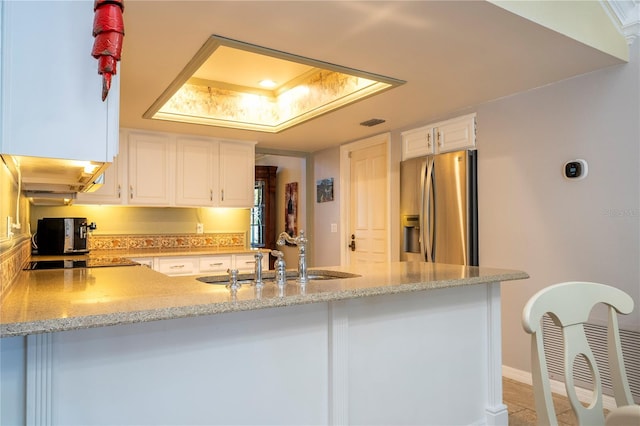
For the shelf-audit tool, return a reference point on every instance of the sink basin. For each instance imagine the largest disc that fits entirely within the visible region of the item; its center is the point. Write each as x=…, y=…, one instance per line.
x=269, y=276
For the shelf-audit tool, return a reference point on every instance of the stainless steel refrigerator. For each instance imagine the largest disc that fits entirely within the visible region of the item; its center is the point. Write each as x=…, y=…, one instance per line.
x=439, y=208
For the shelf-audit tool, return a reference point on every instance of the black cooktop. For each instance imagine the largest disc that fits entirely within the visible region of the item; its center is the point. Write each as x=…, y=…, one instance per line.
x=98, y=262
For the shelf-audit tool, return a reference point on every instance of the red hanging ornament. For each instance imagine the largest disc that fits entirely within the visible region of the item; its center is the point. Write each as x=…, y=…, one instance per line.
x=108, y=30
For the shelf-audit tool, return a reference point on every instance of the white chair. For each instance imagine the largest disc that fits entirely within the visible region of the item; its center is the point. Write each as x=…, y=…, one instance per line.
x=569, y=305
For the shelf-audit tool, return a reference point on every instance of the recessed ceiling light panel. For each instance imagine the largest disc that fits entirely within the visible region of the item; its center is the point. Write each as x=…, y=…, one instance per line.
x=220, y=86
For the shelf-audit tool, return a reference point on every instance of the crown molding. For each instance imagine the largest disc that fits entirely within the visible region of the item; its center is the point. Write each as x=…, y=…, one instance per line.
x=625, y=14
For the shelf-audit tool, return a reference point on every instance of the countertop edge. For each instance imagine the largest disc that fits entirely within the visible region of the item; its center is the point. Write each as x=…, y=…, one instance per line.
x=157, y=314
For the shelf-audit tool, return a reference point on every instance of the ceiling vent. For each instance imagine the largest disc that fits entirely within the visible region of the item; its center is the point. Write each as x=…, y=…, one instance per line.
x=372, y=122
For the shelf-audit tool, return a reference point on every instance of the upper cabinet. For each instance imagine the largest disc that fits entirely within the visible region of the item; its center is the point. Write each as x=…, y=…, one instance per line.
x=162, y=169
x=445, y=136
x=196, y=172
x=51, y=90
x=237, y=171
x=214, y=173
x=151, y=172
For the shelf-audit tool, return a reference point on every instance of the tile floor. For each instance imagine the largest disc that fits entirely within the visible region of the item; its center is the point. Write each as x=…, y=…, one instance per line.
x=522, y=410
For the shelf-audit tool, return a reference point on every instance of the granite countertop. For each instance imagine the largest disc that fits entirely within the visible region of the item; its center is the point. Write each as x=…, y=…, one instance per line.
x=56, y=300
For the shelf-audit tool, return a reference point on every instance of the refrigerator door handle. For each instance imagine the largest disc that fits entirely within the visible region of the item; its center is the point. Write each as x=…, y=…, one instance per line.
x=427, y=236
x=422, y=221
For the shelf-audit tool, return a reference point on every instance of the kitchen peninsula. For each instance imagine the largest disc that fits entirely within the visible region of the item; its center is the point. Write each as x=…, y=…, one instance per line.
x=389, y=346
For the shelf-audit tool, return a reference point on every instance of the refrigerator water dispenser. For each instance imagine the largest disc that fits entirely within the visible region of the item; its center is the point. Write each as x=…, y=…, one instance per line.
x=411, y=234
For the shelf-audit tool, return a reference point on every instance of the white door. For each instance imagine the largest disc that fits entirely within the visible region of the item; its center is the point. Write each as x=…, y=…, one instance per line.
x=368, y=211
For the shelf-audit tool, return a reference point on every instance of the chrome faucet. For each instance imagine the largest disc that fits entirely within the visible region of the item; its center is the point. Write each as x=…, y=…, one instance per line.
x=301, y=242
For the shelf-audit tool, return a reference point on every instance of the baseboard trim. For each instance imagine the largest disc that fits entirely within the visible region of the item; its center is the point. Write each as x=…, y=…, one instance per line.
x=584, y=395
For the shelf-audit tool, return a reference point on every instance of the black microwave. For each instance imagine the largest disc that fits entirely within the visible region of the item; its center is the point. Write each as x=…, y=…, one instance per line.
x=62, y=235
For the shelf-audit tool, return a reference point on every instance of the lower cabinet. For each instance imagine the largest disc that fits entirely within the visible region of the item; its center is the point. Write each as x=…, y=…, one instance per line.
x=207, y=264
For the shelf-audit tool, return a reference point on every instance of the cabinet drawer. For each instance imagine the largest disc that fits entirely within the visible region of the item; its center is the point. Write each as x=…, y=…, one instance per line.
x=178, y=265
x=245, y=262
x=215, y=264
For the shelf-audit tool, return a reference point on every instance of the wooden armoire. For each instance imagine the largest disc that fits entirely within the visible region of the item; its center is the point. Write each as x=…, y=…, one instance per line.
x=263, y=213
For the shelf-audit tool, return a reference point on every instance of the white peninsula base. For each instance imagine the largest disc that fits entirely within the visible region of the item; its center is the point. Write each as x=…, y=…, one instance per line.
x=426, y=357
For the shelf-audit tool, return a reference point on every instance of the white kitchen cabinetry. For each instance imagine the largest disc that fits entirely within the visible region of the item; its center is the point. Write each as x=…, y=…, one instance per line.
x=51, y=104
x=151, y=169
x=205, y=264
x=179, y=265
x=197, y=183
x=113, y=190
x=237, y=171
x=214, y=173
x=417, y=142
x=162, y=169
x=456, y=134
x=445, y=136
x=215, y=264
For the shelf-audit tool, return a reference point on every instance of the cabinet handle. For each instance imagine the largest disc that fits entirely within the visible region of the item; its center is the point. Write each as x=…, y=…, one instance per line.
x=222, y=194
x=248, y=262
x=119, y=191
x=211, y=195
x=440, y=141
x=216, y=264
x=176, y=267
x=429, y=140
x=131, y=191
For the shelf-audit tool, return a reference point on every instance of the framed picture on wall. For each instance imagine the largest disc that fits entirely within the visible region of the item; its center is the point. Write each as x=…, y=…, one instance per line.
x=291, y=208
x=324, y=190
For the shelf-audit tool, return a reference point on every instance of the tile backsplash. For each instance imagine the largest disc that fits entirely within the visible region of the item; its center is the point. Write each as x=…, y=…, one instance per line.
x=222, y=240
x=11, y=262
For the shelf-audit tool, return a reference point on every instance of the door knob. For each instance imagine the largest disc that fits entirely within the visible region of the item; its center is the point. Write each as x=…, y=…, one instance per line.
x=353, y=243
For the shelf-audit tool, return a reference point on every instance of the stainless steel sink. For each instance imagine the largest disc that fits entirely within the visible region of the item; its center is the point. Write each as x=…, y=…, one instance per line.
x=269, y=277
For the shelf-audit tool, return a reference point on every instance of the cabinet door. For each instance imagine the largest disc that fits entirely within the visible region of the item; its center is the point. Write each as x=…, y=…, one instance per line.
x=51, y=90
x=456, y=134
x=417, y=142
x=113, y=190
x=196, y=172
x=150, y=171
x=237, y=162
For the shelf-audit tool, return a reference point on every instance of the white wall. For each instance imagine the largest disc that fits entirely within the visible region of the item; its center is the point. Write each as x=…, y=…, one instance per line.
x=533, y=219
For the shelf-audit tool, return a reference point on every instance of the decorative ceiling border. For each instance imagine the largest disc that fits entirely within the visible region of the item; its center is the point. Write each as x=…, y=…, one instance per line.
x=625, y=14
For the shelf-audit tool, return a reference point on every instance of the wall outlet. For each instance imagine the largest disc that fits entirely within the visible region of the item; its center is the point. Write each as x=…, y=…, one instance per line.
x=199, y=228
x=334, y=227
